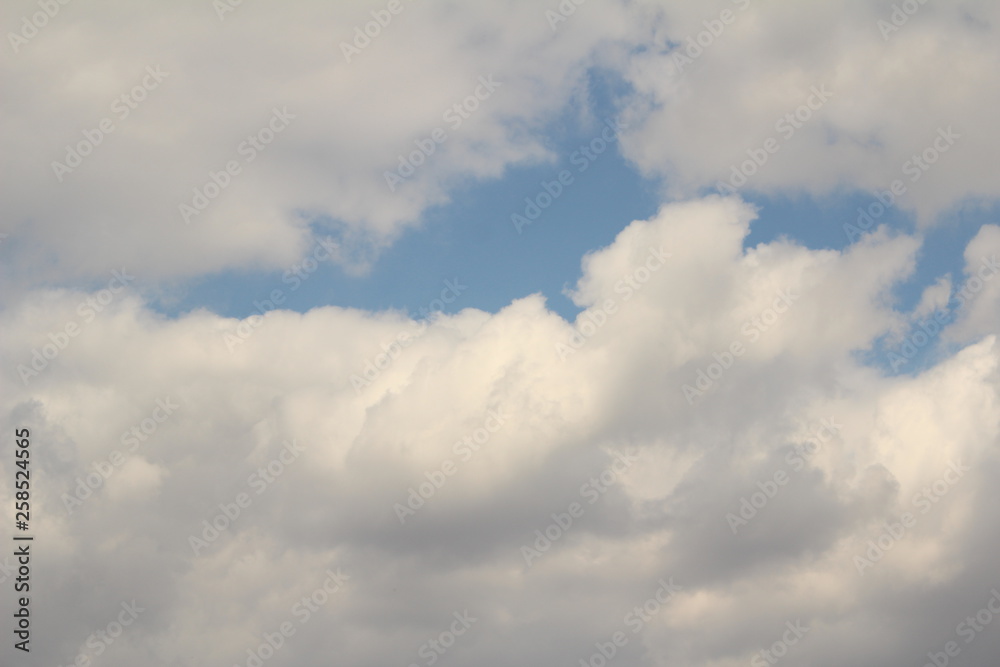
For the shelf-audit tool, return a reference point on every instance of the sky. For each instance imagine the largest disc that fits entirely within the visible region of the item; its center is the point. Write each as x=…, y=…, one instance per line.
x=416, y=332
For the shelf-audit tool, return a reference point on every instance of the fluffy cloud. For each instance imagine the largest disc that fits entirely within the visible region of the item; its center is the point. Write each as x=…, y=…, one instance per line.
x=978, y=294
x=177, y=112
x=534, y=414
x=726, y=78
x=702, y=467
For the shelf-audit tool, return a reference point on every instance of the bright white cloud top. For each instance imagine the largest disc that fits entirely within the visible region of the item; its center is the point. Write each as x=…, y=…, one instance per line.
x=705, y=468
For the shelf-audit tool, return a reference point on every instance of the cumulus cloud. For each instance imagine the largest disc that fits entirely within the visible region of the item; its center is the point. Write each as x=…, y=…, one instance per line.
x=978, y=294
x=484, y=426
x=703, y=467
x=825, y=79
x=129, y=95
x=178, y=112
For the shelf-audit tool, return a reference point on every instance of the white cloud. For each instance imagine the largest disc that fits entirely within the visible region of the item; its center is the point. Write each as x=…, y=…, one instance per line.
x=696, y=120
x=777, y=478
x=620, y=391
x=219, y=85
x=353, y=120
x=978, y=292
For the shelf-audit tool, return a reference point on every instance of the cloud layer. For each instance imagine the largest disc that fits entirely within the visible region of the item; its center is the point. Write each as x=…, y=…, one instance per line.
x=761, y=491
x=710, y=465
x=103, y=159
